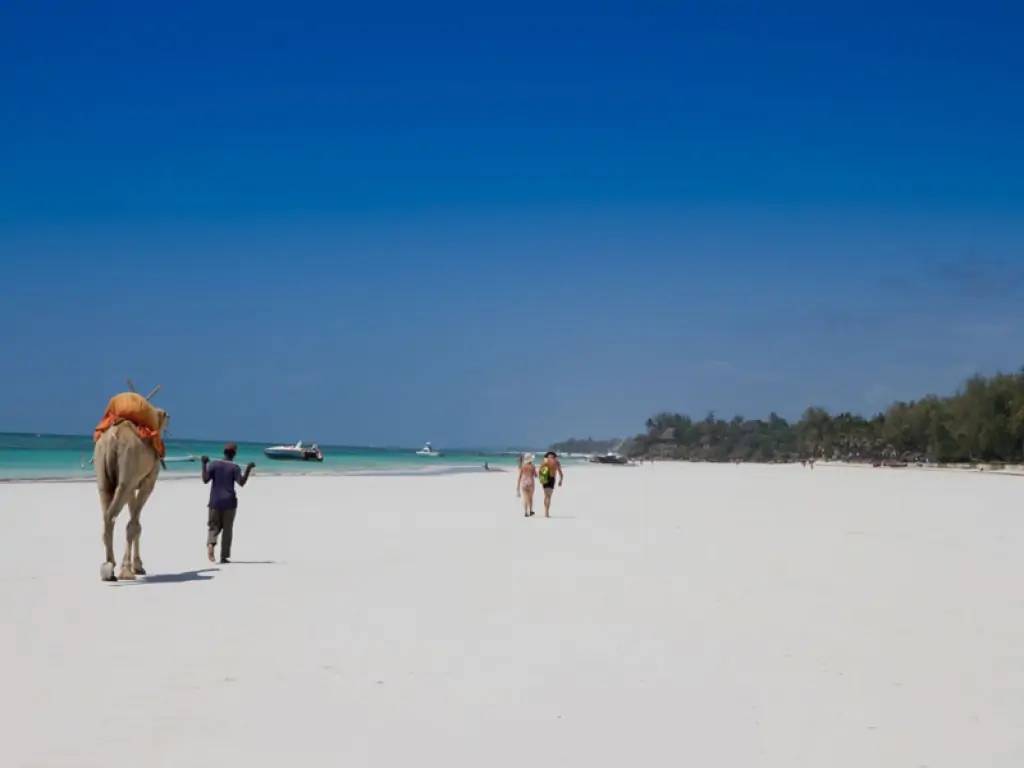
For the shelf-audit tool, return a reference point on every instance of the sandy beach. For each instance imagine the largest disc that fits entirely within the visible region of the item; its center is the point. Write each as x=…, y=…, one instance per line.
x=676, y=614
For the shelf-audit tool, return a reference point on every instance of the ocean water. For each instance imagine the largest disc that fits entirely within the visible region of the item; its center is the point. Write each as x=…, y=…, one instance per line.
x=66, y=457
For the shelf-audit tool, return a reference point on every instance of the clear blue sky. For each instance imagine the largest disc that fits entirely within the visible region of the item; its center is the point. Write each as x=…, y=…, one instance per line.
x=430, y=221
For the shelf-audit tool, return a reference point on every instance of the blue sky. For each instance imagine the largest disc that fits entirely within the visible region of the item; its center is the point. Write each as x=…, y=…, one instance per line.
x=508, y=226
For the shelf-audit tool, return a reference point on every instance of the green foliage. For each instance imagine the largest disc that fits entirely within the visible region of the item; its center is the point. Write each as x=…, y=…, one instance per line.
x=984, y=421
x=585, y=445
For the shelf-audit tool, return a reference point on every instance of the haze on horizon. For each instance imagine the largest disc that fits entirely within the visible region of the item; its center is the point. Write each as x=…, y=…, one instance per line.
x=384, y=227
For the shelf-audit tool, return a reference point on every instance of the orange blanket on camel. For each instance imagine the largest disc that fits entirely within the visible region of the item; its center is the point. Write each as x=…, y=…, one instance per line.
x=133, y=407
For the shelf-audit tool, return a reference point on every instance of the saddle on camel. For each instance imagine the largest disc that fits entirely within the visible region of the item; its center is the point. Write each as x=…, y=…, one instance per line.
x=143, y=416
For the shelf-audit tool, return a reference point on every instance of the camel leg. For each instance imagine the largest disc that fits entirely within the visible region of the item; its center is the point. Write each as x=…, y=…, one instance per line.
x=136, y=523
x=106, y=497
x=107, y=569
x=120, y=497
x=135, y=505
x=131, y=534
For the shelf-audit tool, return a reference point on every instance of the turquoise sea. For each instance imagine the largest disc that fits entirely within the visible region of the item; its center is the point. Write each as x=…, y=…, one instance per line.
x=64, y=457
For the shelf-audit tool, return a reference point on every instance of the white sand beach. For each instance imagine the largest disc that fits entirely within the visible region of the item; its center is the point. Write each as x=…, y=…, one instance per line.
x=669, y=615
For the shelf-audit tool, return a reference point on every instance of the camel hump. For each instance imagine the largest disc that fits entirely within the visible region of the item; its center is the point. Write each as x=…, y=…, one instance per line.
x=147, y=419
x=133, y=407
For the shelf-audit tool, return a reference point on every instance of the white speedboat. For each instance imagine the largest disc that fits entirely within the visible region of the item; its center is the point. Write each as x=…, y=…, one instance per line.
x=297, y=452
x=427, y=450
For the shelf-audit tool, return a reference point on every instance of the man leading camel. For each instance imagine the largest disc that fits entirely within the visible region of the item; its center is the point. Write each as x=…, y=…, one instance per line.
x=223, y=502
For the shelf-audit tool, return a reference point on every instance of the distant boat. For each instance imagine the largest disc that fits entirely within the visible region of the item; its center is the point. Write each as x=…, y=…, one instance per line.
x=297, y=452
x=176, y=459
x=609, y=458
x=427, y=450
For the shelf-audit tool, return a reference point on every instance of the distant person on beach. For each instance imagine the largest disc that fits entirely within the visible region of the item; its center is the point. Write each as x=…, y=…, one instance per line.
x=223, y=502
x=525, y=483
x=548, y=469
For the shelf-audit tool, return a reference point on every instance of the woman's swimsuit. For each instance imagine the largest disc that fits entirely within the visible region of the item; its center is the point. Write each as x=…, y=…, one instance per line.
x=526, y=480
x=547, y=477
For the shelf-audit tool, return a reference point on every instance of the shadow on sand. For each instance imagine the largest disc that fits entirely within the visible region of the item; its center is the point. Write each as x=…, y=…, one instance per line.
x=253, y=562
x=169, y=578
x=204, y=574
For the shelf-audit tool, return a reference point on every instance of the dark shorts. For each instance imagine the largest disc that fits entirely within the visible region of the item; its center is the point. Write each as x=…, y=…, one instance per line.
x=549, y=485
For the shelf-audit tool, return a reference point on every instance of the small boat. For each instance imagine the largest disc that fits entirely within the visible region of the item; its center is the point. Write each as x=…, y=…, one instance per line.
x=297, y=452
x=427, y=450
x=609, y=458
x=178, y=459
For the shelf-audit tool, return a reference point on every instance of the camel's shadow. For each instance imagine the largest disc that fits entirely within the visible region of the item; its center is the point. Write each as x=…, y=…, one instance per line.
x=253, y=562
x=203, y=574
x=170, y=578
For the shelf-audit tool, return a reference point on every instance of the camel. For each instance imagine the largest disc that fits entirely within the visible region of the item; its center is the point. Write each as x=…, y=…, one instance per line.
x=126, y=470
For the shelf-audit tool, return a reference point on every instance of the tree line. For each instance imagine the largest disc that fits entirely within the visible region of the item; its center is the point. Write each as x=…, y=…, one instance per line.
x=586, y=445
x=982, y=422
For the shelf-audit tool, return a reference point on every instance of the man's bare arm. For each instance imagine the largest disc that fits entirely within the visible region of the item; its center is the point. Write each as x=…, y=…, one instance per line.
x=245, y=475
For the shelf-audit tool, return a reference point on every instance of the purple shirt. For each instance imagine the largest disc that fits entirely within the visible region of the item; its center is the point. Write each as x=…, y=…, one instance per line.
x=222, y=476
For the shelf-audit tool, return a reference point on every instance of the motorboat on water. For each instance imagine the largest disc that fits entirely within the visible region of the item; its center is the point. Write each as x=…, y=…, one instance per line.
x=179, y=459
x=297, y=452
x=427, y=450
x=609, y=458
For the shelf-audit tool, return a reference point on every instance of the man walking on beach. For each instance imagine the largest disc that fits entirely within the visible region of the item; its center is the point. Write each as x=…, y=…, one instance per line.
x=223, y=502
x=548, y=468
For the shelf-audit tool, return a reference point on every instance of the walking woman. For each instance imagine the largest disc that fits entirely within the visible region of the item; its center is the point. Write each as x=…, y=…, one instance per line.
x=525, y=482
